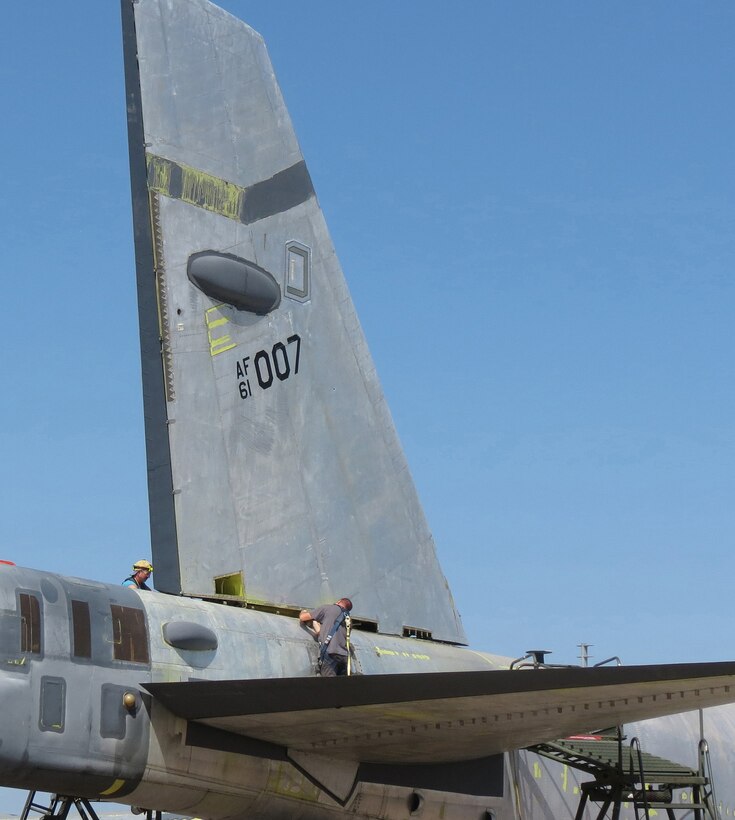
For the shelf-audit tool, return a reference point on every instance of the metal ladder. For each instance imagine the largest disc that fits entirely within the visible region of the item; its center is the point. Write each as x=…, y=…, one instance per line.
x=625, y=774
x=703, y=803
x=60, y=805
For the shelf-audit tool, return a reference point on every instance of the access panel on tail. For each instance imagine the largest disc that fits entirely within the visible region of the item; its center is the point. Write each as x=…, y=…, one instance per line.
x=273, y=462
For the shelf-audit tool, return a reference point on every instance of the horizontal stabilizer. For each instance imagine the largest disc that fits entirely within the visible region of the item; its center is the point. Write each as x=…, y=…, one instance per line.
x=447, y=716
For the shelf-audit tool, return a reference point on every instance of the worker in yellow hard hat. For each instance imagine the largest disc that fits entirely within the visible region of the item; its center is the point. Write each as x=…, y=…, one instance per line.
x=141, y=573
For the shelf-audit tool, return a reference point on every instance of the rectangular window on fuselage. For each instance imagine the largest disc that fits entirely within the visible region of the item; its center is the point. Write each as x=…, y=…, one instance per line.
x=30, y=623
x=129, y=637
x=53, y=704
x=81, y=630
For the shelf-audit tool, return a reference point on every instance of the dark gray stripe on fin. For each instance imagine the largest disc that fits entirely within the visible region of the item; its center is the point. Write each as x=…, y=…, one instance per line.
x=283, y=191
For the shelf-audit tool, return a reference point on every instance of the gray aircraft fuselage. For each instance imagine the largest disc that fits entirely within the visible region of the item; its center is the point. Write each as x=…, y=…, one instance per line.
x=72, y=649
x=77, y=655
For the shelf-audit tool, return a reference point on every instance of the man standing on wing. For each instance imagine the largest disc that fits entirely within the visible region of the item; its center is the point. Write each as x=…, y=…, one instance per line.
x=332, y=635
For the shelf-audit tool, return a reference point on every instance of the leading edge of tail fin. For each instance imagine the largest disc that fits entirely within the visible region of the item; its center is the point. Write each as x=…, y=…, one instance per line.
x=274, y=468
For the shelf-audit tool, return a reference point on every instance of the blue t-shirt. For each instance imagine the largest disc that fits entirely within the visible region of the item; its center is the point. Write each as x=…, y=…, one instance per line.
x=131, y=582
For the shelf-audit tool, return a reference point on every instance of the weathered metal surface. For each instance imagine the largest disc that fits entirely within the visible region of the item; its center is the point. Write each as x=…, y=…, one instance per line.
x=284, y=462
x=302, y=488
x=457, y=715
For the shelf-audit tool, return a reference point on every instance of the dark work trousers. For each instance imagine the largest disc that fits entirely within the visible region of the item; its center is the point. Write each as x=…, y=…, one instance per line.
x=333, y=666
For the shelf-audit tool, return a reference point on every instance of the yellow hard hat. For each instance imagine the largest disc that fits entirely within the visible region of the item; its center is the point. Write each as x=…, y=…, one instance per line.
x=143, y=564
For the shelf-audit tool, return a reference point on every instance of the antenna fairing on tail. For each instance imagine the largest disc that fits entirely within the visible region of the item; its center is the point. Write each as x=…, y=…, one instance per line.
x=286, y=476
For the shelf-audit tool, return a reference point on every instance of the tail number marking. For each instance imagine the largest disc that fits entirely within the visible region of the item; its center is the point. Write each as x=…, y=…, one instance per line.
x=269, y=366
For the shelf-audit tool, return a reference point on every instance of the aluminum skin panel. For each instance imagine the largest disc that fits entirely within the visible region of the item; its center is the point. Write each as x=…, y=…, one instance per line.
x=284, y=461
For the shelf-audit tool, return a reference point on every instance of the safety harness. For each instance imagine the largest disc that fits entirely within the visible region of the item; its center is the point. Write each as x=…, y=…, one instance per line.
x=348, y=628
x=342, y=617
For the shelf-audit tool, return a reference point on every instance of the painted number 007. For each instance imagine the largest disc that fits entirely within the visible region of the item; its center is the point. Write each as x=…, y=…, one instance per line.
x=271, y=365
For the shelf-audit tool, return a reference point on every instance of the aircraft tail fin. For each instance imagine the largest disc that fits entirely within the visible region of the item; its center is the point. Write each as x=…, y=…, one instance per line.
x=275, y=473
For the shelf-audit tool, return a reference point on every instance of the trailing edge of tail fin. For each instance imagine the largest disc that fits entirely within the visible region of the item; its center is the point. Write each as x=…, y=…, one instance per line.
x=274, y=470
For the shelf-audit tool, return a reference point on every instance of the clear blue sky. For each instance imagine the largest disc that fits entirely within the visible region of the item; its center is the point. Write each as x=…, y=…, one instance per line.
x=533, y=206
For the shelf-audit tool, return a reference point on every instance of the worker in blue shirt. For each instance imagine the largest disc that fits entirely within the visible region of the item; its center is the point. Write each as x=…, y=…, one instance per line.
x=141, y=573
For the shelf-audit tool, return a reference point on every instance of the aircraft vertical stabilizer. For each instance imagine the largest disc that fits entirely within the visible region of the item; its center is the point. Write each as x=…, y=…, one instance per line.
x=274, y=469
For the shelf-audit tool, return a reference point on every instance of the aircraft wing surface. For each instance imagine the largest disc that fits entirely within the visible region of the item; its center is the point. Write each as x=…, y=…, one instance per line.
x=443, y=717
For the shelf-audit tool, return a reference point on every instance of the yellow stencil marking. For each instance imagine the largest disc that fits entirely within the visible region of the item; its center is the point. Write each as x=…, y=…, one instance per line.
x=415, y=656
x=217, y=343
x=564, y=776
x=115, y=787
x=536, y=770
